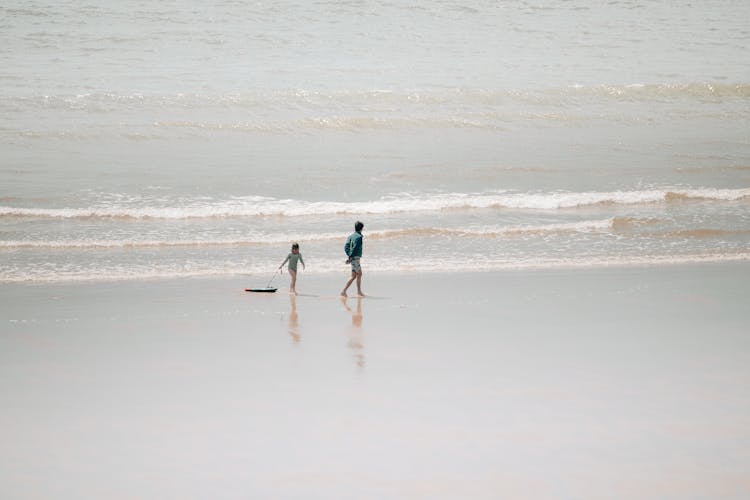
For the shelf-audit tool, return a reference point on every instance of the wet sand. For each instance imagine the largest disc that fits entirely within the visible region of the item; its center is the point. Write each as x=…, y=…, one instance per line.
x=616, y=383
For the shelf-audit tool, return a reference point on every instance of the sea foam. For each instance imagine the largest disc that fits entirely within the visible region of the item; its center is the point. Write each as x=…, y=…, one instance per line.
x=278, y=238
x=96, y=272
x=261, y=206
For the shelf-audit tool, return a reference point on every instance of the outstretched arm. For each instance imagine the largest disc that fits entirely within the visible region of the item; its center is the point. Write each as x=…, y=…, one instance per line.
x=285, y=261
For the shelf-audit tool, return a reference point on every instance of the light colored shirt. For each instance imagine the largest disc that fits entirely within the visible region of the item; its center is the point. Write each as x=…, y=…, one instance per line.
x=293, y=258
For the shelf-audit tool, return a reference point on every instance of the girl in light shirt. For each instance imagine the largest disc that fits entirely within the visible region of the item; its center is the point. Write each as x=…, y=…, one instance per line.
x=293, y=258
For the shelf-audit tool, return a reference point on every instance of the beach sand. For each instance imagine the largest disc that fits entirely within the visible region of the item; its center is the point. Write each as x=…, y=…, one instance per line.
x=599, y=383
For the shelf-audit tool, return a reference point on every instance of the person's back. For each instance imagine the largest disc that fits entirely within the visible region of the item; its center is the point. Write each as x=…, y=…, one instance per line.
x=353, y=249
x=354, y=245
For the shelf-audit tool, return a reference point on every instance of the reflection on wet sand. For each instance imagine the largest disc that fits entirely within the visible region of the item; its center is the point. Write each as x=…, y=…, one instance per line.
x=294, y=320
x=356, y=341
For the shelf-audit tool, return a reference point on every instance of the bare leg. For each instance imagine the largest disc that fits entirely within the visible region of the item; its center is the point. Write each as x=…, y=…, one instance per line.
x=292, y=287
x=346, y=287
x=359, y=284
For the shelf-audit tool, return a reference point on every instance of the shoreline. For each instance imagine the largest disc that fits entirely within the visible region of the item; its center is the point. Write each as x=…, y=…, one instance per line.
x=648, y=262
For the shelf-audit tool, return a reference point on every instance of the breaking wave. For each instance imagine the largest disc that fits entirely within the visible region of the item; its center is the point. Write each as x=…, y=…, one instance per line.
x=262, y=206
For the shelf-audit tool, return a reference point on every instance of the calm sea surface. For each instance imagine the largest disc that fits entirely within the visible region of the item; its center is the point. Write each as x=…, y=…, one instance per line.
x=147, y=139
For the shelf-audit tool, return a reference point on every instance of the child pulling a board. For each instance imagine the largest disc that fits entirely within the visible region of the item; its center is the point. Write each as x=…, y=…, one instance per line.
x=293, y=258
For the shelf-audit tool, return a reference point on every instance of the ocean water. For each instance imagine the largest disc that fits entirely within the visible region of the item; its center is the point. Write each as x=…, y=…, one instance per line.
x=150, y=139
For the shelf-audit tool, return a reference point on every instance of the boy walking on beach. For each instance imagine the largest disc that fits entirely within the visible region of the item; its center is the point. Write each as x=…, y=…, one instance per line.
x=353, y=249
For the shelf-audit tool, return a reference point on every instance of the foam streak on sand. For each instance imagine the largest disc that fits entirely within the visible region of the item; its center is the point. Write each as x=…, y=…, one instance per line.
x=110, y=101
x=45, y=274
x=262, y=206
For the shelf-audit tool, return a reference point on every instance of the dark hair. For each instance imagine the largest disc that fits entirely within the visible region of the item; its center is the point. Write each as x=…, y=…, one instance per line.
x=358, y=226
x=295, y=245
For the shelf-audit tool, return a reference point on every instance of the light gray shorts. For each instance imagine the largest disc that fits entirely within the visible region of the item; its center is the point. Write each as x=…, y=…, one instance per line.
x=356, y=268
